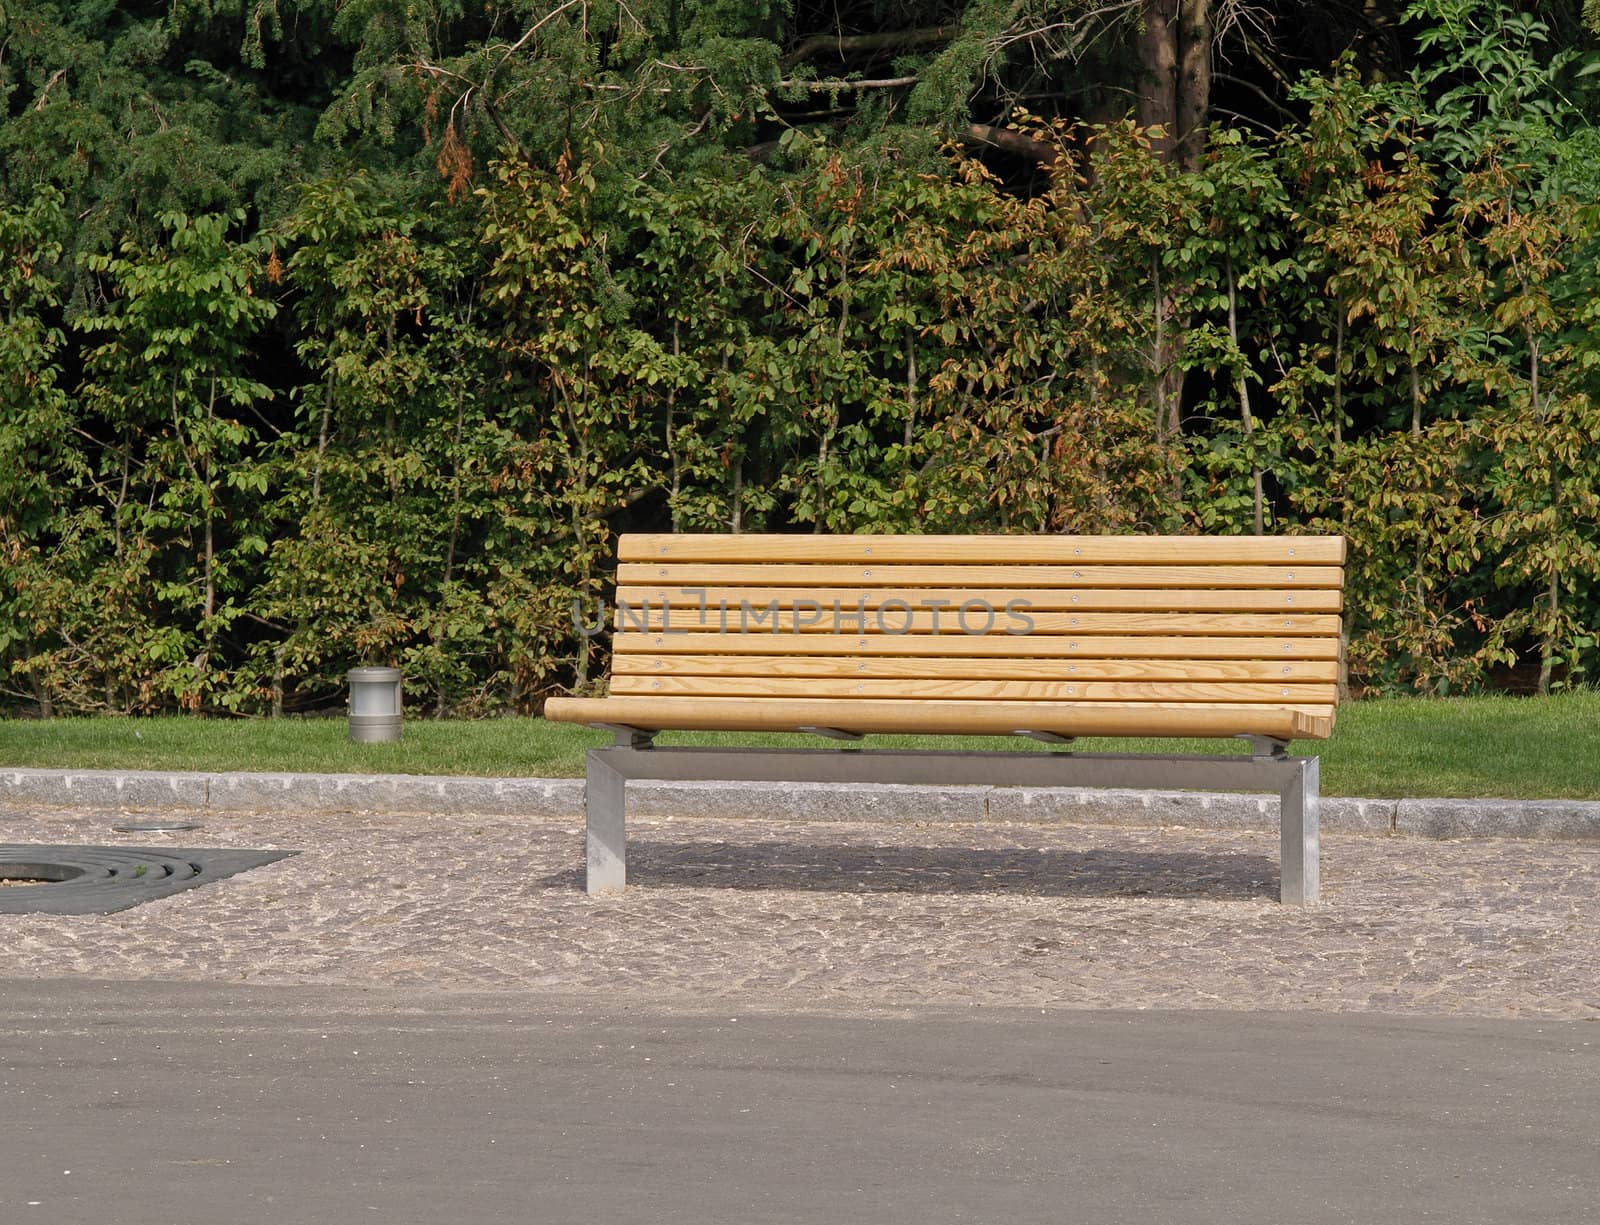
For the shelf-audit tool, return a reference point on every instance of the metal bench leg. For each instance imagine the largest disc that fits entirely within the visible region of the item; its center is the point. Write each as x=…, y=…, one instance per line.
x=607, y=834
x=1299, y=835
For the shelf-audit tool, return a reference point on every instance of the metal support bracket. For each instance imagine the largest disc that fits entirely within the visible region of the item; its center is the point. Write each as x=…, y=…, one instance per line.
x=1265, y=746
x=832, y=733
x=1045, y=737
x=627, y=737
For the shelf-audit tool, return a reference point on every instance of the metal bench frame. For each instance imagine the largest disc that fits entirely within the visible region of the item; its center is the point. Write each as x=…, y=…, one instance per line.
x=1266, y=768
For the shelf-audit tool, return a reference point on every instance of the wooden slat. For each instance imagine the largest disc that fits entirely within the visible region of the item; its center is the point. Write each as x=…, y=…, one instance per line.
x=972, y=690
x=1097, y=635
x=1124, y=550
x=958, y=668
x=951, y=599
x=1295, y=577
x=1010, y=624
x=948, y=718
x=993, y=646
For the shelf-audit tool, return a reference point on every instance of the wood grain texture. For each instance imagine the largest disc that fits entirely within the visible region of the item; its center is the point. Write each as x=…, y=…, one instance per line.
x=855, y=689
x=947, y=718
x=977, y=668
x=977, y=575
x=992, y=646
x=832, y=601
x=916, y=550
x=897, y=622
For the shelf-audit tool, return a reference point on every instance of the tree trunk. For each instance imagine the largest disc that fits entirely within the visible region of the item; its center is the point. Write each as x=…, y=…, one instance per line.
x=911, y=390
x=835, y=420
x=736, y=495
x=122, y=491
x=1158, y=80
x=578, y=507
x=819, y=522
x=1246, y=418
x=1174, y=48
x=391, y=447
x=1533, y=373
x=322, y=439
x=210, y=510
x=277, y=682
x=1547, y=649
x=1194, y=79
x=1344, y=659
x=454, y=541
x=676, y=490
x=1167, y=375
x=1338, y=374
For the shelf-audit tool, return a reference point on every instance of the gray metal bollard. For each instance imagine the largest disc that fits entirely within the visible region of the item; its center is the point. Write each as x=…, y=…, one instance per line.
x=375, y=705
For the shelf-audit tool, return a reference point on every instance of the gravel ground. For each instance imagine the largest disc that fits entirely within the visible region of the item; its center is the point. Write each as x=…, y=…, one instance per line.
x=847, y=914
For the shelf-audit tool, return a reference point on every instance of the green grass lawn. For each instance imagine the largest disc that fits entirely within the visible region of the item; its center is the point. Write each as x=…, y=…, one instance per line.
x=1521, y=748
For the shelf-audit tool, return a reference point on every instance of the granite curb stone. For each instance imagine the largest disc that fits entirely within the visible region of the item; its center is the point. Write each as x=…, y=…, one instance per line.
x=1498, y=818
x=396, y=793
x=104, y=789
x=413, y=794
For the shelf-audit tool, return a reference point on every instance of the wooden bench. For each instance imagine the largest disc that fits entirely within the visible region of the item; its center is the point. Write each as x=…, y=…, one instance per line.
x=1051, y=637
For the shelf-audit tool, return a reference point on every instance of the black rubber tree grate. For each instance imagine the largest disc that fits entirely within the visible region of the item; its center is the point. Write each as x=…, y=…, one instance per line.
x=106, y=879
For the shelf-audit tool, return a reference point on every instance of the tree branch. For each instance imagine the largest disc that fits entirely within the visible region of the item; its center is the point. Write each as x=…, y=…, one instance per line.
x=843, y=44
x=490, y=111
x=48, y=86
x=530, y=32
x=1288, y=115
x=1013, y=142
x=837, y=86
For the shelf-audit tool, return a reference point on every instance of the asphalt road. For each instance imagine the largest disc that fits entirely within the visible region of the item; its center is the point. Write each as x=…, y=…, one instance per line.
x=165, y=1104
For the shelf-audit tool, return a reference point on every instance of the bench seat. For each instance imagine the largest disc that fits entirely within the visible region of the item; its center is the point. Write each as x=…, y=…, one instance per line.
x=910, y=716
x=1069, y=635
x=1054, y=637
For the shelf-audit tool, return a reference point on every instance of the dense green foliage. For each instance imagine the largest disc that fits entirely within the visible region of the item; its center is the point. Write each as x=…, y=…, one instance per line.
x=343, y=333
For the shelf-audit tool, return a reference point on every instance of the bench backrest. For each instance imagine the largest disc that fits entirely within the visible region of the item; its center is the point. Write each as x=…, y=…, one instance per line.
x=1158, y=623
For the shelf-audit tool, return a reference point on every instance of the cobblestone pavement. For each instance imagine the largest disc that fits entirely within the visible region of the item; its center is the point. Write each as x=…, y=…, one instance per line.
x=854, y=915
